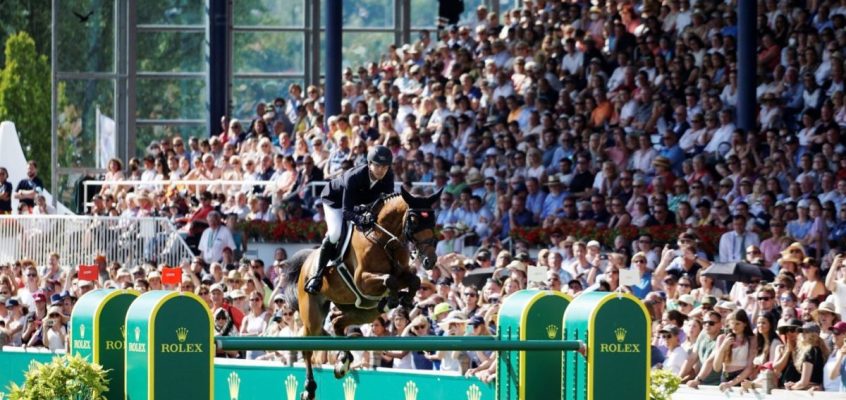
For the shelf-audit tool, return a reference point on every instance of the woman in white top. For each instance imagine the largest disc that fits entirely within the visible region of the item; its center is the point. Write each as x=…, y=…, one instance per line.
x=768, y=341
x=56, y=333
x=835, y=365
x=735, y=351
x=676, y=355
x=255, y=322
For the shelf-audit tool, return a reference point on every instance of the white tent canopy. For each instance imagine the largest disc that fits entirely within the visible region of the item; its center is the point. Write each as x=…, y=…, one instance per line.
x=12, y=157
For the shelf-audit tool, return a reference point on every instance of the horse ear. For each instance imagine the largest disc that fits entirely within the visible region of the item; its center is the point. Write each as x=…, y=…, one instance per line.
x=408, y=197
x=434, y=197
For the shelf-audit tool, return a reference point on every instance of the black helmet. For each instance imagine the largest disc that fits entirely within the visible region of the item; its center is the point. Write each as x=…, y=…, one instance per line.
x=380, y=155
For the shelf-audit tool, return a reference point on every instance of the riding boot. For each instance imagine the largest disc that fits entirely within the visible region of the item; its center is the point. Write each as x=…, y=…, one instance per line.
x=315, y=282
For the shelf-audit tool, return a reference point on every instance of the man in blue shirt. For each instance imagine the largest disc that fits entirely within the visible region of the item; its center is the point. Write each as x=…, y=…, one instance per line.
x=535, y=197
x=554, y=200
x=518, y=215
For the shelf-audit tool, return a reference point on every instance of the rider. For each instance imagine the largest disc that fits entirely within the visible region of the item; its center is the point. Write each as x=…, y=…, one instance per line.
x=363, y=184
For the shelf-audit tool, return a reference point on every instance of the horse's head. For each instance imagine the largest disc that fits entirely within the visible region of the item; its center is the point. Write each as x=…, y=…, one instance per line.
x=420, y=226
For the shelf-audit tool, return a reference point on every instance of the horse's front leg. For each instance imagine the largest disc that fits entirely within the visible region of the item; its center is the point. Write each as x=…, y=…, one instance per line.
x=374, y=284
x=410, y=280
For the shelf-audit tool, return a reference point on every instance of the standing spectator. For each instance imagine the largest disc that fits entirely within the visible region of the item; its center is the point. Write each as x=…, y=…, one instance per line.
x=214, y=239
x=29, y=188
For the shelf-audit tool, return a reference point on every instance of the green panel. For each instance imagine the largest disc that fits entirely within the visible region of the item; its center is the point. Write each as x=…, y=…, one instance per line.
x=182, y=349
x=97, y=333
x=14, y=362
x=616, y=330
x=530, y=314
x=508, y=328
x=137, y=345
x=542, y=369
x=169, y=338
x=242, y=380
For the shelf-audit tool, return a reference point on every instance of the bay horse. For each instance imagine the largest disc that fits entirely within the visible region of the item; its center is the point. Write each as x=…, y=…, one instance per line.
x=378, y=264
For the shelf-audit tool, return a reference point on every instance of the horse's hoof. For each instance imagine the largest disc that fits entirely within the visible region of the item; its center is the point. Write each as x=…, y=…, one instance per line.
x=305, y=396
x=393, y=302
x=407, y=301
x=342, y=366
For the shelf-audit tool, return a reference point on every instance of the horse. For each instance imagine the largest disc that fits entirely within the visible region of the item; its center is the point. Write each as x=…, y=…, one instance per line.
x=378, y=261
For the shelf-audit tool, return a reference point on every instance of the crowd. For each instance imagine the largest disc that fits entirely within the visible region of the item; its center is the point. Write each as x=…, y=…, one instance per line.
x=604, y=114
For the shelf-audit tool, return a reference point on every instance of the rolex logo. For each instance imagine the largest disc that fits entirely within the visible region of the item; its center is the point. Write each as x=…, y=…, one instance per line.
x=291, y=387
x=551, y=331
x=137, y=333
x=474, y=393
x=182, y=334
x=410, y=390
x=82, y=331
x=234, y=385
x=123, y=331
x=620, y=334
x=349, y=389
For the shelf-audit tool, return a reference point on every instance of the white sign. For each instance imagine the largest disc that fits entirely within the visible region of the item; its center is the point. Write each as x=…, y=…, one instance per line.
x=629, y=277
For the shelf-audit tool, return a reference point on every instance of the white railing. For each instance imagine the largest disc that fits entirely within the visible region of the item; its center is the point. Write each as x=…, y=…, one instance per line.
x=79, y=239
x=314, y=187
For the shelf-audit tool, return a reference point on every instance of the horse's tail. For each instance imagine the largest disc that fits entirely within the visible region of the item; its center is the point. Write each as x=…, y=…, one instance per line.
x=292, y=277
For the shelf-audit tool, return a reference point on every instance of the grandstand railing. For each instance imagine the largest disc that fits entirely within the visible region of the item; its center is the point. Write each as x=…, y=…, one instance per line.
x=79, y=239
x=314, y=188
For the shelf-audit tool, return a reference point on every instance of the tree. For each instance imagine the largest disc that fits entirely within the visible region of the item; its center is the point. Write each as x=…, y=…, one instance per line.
x=25, y=99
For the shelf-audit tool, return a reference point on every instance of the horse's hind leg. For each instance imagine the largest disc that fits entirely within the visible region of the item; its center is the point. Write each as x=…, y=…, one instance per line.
x=310, y=383
x=312, y=314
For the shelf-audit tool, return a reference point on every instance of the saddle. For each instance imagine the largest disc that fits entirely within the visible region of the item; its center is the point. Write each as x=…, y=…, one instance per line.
x=362, y=301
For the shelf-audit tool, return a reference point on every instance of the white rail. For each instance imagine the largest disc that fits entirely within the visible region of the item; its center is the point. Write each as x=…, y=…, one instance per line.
x=79, y=239
x=313, y=187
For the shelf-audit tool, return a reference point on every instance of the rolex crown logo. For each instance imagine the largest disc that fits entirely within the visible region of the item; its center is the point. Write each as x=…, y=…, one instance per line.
x=410, y=390
x=182, y=334
x=82, y=331
x=234, y=385
x=474, y=393
x=291, y=387
x=122, y=331
x=620, y=334
x=551, y=331
x=137, y=333
x=349, y=389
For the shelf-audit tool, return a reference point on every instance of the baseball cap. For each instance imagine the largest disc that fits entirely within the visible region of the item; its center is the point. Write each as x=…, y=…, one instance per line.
x=671, y=329
x=838, y=328
x=440, y=309
x=687, y=299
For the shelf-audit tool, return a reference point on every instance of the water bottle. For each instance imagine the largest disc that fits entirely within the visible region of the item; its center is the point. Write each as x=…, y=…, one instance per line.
x=768, y=380
x=375, y=359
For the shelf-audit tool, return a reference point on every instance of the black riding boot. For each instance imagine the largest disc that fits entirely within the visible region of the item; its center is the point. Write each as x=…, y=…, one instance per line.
x=327, y=252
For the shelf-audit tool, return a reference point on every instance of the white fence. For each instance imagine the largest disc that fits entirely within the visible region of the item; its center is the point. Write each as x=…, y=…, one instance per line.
x=79, y=239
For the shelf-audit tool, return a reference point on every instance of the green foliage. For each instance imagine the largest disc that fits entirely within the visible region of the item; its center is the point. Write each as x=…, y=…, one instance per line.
x=25, y=99
x=64, y=378
x=31, y=16
x=664, y=384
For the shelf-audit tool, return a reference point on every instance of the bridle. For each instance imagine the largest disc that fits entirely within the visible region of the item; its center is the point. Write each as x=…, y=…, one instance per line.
x=415, y=220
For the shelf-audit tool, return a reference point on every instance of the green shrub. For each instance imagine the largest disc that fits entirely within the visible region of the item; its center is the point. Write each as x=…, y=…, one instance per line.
x=64, y=378
x=664, y=384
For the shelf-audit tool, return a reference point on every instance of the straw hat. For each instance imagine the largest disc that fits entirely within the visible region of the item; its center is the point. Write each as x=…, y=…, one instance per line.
x=454, y=317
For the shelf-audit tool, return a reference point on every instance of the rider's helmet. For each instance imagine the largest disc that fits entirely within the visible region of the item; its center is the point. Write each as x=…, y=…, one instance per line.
x=380, y=155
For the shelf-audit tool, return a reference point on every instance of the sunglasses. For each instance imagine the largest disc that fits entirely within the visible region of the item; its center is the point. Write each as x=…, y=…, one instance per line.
x=684, y=284
x=288, y=314
x=641, y=261
x=31, y=275
x=764, y=298
x=203, y=293
x=470, y=294
x=666, y=336
x=418, y=327
x=710, y=323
